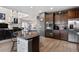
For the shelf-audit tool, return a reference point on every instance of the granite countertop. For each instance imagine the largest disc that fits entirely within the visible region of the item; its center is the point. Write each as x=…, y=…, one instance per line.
x=29, y=36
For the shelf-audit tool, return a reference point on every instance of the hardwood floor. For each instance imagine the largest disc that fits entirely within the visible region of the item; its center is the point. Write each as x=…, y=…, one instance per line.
x=54, y=45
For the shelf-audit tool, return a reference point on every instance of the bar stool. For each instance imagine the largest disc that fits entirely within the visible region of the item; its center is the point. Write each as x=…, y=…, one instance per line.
x=14, y=46
x=14, y=40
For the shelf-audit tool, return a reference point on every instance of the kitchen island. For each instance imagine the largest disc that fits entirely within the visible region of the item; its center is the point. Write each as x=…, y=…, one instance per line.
x=25, y=43
x=28, y=42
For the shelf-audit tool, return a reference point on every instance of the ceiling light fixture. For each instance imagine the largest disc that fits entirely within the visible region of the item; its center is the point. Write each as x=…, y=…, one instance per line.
x=41, y=19
x=40, y=11
x=31, y=7
x=51, y=8
x=59, y=12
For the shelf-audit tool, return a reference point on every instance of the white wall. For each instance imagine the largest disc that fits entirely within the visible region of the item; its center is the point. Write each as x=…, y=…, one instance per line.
x=10, y=14
x=7, y=13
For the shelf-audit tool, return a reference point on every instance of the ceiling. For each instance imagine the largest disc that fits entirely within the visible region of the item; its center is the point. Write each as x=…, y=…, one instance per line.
x=35, y=10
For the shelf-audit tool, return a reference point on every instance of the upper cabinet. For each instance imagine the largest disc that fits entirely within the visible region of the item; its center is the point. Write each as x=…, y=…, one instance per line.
x=61, y=17
x=57, y=16
x=73, y=13
x=65, y=15
x=49, y=16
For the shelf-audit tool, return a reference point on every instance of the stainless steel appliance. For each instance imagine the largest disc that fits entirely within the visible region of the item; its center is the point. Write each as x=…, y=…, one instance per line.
x=73, y=30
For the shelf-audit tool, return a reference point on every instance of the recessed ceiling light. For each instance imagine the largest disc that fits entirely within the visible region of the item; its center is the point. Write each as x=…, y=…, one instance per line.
x=41, y=19
x=59, y=12
x=31, y=7
x=40, y=11
x=51, y=8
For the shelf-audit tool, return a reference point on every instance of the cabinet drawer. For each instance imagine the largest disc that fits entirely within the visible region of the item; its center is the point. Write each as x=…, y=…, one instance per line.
x=63, y=35
x=49, y=34
x=56, y=34
x=49, y=17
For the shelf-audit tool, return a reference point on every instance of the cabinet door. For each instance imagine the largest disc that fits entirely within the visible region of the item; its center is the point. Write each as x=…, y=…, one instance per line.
x=49, y=17
x=56, y=34
x=65, y=16
x=57, y=19
x=61, y=18
x=49, y=33
x=78, y=47
x=73, y=13
x=77, y=13
x=63, y=35
x=35, y=44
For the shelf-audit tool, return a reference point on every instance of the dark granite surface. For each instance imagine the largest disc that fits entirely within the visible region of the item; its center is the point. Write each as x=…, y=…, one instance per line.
x=29, y=36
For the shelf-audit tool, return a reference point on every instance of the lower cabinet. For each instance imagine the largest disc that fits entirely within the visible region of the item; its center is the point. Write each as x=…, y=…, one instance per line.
x=48, y=33
x=56, y=34
x=63, y=35
x=78, y=47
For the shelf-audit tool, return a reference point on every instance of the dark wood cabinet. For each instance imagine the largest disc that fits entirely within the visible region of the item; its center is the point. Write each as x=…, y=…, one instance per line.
x=63, y=35
x=61, y=18
x=78, y=47
x=49, y=33
x=57, y=16
x=35, y=44
x=56, y=34
x=48, y=16
x=65, y=16
x=60, y=34
x=58, y=22
x=73, y=13
x=48, y=24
